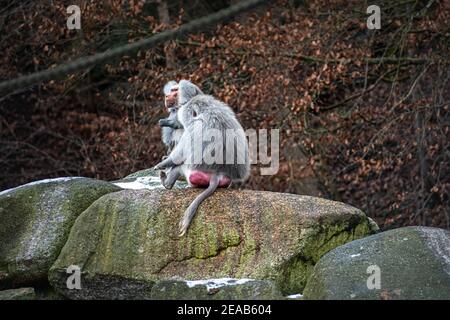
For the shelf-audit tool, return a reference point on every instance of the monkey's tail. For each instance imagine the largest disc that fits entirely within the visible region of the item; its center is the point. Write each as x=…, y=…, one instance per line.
x=192, y=209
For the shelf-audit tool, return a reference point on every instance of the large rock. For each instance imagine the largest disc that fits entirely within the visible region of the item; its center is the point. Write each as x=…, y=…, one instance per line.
x=18, y=294
x=127, y=241
x=413, y=262
x=216, y=289
x=47, y=293
x=35, y=222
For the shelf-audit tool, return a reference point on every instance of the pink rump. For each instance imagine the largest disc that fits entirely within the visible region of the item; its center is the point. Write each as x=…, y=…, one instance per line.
x=201, y=179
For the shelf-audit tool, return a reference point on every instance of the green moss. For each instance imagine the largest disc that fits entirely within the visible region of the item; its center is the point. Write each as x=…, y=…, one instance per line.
x=211, y=242
x=18, y=294
x=321, y=239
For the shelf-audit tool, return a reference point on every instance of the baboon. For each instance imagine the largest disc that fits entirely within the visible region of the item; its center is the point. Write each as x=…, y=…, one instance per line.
x=204, y=115
x=175, y=94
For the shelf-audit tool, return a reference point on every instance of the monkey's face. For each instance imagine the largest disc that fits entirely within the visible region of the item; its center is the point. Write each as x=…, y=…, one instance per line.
x=171, y=98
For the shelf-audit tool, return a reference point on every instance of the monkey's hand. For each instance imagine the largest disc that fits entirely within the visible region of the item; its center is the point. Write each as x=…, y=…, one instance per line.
x=174, y=124
x=166, y=123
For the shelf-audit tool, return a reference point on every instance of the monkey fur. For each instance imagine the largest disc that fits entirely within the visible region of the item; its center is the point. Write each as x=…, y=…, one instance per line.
x=200, y=113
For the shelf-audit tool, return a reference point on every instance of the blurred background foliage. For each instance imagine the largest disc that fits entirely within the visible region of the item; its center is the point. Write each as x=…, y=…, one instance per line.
x=363, y=114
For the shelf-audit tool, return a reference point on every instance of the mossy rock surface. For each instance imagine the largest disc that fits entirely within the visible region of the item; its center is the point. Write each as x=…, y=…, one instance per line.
x=127, y=241
x=143, y=173
x=35, y=222
x=413, y=262
x=18, y=294
x=47, y=292
x=216, y=289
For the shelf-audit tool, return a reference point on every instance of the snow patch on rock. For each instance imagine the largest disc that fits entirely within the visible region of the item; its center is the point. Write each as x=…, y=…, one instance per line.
x=141, y=183
x=62, y=179
x=217, y=283
x=295, y=296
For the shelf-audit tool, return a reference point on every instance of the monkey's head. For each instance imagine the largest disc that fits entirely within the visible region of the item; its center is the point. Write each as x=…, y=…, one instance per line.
x=186, y=91
x=171, y=94
x=199, y=108
x=177, y=94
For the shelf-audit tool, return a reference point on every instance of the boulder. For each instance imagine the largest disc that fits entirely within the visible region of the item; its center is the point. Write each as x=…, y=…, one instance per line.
x=127, y=241
x=410, y=263
x=47, y=292
x=216, y=289
x=35, y=222
x=18, y=294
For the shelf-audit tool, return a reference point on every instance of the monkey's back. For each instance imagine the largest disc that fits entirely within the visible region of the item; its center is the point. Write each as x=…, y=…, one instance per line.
x=214, y=114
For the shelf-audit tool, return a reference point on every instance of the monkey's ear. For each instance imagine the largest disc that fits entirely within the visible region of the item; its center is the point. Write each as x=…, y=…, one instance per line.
x=195, y=111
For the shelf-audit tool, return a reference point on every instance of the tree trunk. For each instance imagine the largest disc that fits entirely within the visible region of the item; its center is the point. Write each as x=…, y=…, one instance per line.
x=164, y=17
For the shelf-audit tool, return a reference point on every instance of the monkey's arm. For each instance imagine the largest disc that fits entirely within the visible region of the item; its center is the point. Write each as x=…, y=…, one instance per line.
x=165, y=164
x=166, y=122
x=175, y=158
